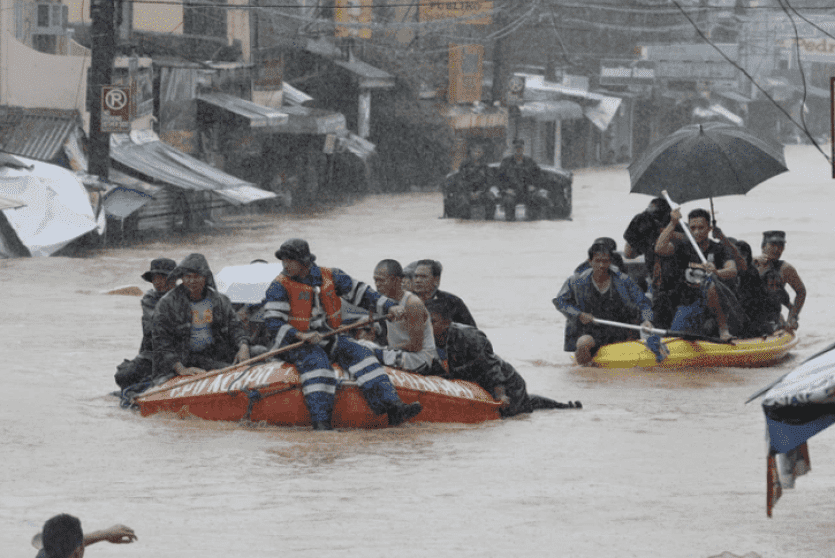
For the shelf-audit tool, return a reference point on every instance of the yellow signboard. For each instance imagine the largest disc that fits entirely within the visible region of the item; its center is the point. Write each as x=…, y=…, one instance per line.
x=465, y=73
x=354, y=13
x=432, y=10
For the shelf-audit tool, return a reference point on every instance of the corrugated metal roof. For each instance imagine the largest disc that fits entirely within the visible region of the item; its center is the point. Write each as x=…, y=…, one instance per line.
x=36, y=133
x=367, y=76
x=293, y=96
x=259, y=116
x=162, y=162
x=306, y=120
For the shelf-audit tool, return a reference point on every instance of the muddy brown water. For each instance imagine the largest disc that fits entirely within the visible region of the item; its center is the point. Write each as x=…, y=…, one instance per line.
x=659, y=463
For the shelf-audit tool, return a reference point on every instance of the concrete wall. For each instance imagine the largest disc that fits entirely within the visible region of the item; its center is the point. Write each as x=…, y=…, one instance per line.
x=157, y=17
x=147, y=15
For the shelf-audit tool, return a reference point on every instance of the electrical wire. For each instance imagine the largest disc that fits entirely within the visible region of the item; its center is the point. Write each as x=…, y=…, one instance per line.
x=563, y=50
x=654, y=7
x=749, y=76
x=802, y=74
x=819, y=28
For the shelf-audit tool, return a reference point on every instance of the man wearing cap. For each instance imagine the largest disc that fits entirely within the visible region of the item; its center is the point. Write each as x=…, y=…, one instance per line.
x=776, y=274
x=600, y=292
x=195, y=327
x=62, y=537
x=304, y=302
x=138, y=370
x=520, y=179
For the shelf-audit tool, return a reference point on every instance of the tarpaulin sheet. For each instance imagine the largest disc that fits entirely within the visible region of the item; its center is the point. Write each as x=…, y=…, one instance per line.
x=57, y=208
x=798, y=406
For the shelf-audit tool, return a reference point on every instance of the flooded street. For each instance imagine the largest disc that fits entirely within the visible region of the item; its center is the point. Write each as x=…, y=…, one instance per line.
x=659, y=463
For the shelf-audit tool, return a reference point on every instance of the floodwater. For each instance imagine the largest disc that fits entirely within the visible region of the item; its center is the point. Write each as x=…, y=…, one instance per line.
x=658, y=463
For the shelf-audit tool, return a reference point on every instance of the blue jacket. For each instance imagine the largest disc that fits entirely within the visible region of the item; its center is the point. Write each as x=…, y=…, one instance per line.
x=575, y=296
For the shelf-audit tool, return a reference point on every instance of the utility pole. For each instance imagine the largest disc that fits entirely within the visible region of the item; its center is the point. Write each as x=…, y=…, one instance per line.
x=103, y=45
x=500, y=70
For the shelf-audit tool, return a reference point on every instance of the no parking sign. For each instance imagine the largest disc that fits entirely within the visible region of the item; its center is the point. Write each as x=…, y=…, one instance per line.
x=115, y=109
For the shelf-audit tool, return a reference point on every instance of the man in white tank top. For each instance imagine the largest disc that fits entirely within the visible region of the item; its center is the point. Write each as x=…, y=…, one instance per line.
x=411, y=342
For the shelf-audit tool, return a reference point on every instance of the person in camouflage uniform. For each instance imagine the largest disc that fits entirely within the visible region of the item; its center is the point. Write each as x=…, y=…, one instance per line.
x=475, y=181
x=138, y=370
x=469, y=356
x=520, y=181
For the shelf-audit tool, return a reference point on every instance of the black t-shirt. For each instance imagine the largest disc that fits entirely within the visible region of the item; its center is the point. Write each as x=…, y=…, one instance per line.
x=687, y=278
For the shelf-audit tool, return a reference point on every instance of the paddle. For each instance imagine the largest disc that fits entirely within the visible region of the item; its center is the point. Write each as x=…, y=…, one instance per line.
x=686, y=335
x=652, y=342
x=262, y=357
x=686, y=230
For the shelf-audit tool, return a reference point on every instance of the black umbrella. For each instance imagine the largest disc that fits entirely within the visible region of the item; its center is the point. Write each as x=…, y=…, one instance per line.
x=706, y=160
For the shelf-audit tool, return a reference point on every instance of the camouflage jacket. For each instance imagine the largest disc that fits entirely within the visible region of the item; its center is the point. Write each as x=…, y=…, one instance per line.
x=149, y=304
x=470, y=357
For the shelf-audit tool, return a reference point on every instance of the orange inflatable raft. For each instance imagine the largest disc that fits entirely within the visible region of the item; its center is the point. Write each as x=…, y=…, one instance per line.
x=271, y=392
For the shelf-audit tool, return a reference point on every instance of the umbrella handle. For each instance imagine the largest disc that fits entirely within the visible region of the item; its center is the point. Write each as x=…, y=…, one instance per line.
x=686, y=229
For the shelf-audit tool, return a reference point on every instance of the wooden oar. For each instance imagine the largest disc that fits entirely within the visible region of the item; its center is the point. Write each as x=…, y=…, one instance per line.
x=664, y=332
x=262, y=357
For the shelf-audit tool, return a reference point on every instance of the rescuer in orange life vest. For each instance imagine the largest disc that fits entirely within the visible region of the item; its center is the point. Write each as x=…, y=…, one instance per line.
x=303, y=302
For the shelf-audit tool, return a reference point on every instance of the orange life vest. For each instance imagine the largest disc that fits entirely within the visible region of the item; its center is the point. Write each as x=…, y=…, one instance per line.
x=301, y=301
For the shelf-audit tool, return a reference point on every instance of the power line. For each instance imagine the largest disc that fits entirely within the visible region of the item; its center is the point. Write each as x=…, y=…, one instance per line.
x=802, y=74
x=654, y=9
x=750, y=78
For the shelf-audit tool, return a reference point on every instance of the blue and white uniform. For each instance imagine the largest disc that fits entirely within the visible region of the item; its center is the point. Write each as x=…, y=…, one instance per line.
x=314, y=361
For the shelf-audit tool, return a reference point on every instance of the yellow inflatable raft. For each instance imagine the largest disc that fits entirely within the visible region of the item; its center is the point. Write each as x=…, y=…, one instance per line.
x=759, y=351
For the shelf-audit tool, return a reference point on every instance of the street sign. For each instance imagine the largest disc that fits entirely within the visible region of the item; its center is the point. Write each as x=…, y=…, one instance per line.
x=515, y=90
x=115, y=109
x=627, y=72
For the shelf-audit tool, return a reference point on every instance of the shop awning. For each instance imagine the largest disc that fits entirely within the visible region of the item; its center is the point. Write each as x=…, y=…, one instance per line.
x=360, y=147
x=366, y=75
x=293, y=96
x=717, y=110
x=465, y=117
x=733, y=96
x=126, y=195
x=144, y=153
x=598, y=108
x=258, y=116
x=36, y=133
x=306, y=120
x=551, y=111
